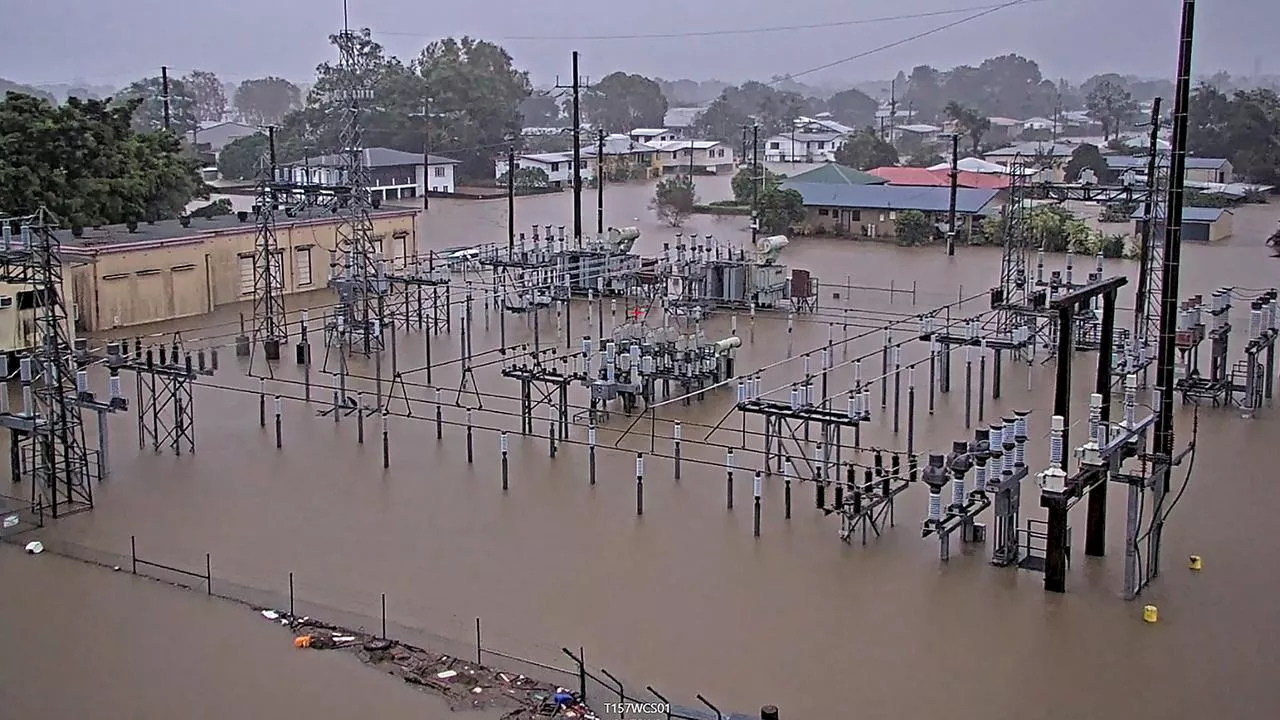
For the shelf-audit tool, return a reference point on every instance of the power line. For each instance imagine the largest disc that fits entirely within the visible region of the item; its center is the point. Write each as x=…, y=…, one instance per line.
x=903, y=41
x=718, y=33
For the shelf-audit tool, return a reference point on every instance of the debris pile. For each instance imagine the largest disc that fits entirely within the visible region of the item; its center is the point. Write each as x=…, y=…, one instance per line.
x=463, y=684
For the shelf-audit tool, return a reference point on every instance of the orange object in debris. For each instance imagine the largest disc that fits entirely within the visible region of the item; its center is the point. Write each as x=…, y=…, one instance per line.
x=302, y=641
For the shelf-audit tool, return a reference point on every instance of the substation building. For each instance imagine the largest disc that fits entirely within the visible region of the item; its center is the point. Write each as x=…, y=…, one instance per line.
x=179, y=268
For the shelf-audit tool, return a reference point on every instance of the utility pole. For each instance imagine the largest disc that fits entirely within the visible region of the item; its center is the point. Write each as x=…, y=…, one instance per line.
x=756, y=181
x=511, y=198
x=893, y=106
x=426, y=152
x=577, y=149
x=691, y=161
x=600, y=181
x=955, y=185
x=1057, y=113
x=164, y=94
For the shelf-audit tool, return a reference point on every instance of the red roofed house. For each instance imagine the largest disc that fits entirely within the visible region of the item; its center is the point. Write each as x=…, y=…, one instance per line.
x=924, y=177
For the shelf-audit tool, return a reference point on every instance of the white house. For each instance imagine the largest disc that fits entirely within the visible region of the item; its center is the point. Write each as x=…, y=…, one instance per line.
x=821, y=123
x=393, y=174
x=655, y=135
x=557, y=165
x=922, y=132
x=803, y=147
x=705, y=156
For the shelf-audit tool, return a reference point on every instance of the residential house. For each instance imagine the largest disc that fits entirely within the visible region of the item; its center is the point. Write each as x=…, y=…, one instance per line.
x=654, y=135
x=699, y=156
x=930, y=177
x=978, y=165
x=1050, y=157
x=625, y=158
x=821, y=123
x=803, y=147
x=393, y=174
x=1199, y=170
x=1199, y=224
x=921, y=133
x=836, y=174
x=680, y=120
x=872, y=210
x=1003, y=129
x=219, y=134
x=1039, y=124
x=558, y=167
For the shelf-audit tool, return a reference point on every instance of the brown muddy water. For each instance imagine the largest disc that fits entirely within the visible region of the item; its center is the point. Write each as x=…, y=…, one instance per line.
x=682, y=598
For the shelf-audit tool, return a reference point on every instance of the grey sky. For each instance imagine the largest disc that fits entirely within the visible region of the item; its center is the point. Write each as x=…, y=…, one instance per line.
x=115, y=41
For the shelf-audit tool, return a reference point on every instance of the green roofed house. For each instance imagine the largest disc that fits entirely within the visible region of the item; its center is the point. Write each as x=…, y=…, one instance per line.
x=835, y=174
x=871, y=211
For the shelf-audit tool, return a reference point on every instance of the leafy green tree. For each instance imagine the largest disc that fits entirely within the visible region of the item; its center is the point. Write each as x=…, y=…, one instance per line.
x=969, y=122
x=924, y=92
x=477, y=90
x=1243, y=127
x=83, y=161
x=208, y=98
x=772, y=109
x=541, y=110
x=1088, y=157
x=744, y=181
x=528, y=178
x=265, y=101
x=865, y=150
x=8, y=86
x=913, y=228
x=853, y=107
x=673, y=200
x=242, y=158
x=149, y=114
x=620, y=102
x=778, y=210
x=1110, y=104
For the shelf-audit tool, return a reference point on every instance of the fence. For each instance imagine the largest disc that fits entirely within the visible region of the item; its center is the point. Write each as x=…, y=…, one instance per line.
x=608, y=697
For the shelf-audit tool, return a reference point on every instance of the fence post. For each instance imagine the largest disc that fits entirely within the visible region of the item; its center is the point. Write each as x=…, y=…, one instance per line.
x=479, y=647
x=384, y=616
x=665, y=702
x=208, y=575
x=133, y=554
x=714, y=709
x=582, y=670
x=291, y=614
x=622, y=692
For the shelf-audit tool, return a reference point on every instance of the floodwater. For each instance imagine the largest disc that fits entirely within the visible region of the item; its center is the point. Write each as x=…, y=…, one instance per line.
x=682, y=598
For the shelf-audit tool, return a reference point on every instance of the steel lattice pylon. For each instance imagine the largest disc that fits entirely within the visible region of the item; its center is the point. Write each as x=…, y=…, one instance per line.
x=354, y=268
x=269, y=324
x=49, y=430
x=1146, y=321
x=1017, y=250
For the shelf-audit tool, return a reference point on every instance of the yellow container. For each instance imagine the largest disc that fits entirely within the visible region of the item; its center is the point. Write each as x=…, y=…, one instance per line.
x=1194, y=562
x=1150, y=613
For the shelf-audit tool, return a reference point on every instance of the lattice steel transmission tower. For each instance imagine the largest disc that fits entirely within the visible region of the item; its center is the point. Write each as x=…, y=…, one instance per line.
x=1012, y=298
x=353, y=266
x=269, y=324
x=1146, y=320
x=49, y=430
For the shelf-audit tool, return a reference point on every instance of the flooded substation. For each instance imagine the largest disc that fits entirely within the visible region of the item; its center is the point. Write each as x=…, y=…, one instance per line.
x=681, y=492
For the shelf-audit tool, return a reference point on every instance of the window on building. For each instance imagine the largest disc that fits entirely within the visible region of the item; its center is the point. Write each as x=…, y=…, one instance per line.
x=855, y=215
x=555, y=167
x=775, y=146
x=246, y=274
x=675, y=155
x=438, y=171
x=377, y=245
x=302, y=265
x=822, y=145
x=823, y=212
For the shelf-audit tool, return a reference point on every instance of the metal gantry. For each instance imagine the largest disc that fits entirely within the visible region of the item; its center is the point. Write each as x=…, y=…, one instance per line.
x=269, y=325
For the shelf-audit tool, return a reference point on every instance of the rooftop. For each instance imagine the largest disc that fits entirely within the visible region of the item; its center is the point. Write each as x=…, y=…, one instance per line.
x=836, y=174
x=1139, y=162
x=379, y=157
x=930, y=177
x=1193, y=214
x=1031, y=149
x=673, y=145
x=681, y=117
x=650, y=132
x=969, y=201
x=920, y=128
x=809, y=136
x=116, y=236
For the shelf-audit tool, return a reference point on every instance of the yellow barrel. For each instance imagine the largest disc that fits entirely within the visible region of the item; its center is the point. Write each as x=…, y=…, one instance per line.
x=1194, y=562
x=1150, y=613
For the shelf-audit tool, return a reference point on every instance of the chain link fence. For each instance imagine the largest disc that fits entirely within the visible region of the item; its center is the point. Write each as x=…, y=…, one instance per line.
x=607, y=696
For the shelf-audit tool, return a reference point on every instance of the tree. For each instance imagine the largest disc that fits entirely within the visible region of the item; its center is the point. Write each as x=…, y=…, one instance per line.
x=265, y=101
x=1088, y=157
x=969, y=122
x=528, y=178
x=8, y=86
x=83, y=161
x=926, y=158
x=475, y=97
x=778, y=210
x=853, y=108
x=773, y=110
x=744, y=181
x=620, y=102
x=242, y=158
x=1243, y=127
x=149, y=114
x=865, y=150
x=1111, y=105
x=541, y=110
x=673, y=200
x=210, y=102
x=913, y=228
x=924, y=92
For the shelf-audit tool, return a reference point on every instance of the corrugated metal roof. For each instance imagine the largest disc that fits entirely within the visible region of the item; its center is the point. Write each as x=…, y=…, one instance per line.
x=681, y=117
x=1139, y=162
x=1193, y=214
x=1031, y=149
x=380, y=157
x=836, y=174
x=891, y=197
x=931, y=177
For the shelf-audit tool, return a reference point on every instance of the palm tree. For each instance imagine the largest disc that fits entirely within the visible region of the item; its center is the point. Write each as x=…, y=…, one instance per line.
x=969, y=122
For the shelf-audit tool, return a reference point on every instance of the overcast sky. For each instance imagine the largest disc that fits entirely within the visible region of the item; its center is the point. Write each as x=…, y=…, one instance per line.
x=116, y=41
